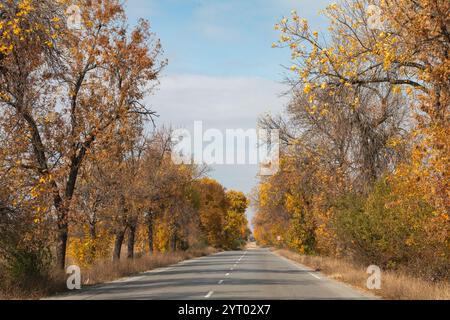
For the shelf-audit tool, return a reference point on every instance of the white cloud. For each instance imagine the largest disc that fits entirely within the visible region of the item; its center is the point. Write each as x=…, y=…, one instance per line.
x=222, y=102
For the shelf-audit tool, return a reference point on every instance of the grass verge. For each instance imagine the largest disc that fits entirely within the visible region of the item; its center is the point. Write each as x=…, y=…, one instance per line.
x=394, y=285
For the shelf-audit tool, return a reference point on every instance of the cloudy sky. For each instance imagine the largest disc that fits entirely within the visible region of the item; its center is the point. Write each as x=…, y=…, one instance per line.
x=222, y=69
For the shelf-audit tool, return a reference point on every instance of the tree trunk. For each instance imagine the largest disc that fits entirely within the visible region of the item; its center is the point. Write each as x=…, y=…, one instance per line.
x=62, y=208
x=61, y=246
x=150, y=222
x=131, y=241
x=92, y=231
x=120, y=235
x=173, y=242
x=93, y=236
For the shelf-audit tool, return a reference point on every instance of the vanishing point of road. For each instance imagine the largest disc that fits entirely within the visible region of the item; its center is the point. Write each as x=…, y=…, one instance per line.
x=254, y=274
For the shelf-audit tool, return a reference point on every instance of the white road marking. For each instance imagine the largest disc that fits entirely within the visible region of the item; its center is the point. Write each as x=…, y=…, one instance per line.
x=128, y=279
x=209, y=294
x=221, y=281
x=317, y=277
x=164, y=270
x=159, y=270
x=298, y=266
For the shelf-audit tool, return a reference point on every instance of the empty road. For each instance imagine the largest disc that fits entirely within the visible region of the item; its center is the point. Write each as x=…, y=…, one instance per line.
x=251, y=274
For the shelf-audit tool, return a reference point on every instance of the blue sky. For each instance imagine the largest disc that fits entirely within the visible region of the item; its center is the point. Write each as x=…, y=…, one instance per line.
x=222, y=37
x=222, y=69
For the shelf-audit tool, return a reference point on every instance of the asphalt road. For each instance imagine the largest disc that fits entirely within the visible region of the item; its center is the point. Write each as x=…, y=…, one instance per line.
x=239, y=275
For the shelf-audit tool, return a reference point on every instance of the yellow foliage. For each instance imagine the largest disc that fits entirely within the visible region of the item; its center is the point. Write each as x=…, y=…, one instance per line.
x=85, y=251
x=408, y=54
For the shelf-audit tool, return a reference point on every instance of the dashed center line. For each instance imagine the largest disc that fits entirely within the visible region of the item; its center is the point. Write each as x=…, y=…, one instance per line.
x=210, y=293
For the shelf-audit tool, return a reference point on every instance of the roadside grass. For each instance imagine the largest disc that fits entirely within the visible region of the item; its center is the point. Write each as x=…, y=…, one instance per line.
x=394, y=285
x=100, y=272
x=31, y=288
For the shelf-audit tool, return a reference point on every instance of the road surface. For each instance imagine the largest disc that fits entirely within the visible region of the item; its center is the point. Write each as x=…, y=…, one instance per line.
x=251, y=274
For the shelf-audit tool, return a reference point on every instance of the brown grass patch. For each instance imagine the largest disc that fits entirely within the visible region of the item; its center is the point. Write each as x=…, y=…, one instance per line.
x=32, y=288
x=394, y=285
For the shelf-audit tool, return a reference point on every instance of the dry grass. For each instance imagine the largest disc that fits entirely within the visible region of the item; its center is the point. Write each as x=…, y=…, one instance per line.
x=32, y=288
x=393, y=286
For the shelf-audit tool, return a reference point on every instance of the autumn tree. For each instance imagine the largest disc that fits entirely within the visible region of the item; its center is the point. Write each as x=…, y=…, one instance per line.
x=62, y=96
x=212, y=210
x=402, y=51
x=367, y=128
x=169, y=193
x=236, y=224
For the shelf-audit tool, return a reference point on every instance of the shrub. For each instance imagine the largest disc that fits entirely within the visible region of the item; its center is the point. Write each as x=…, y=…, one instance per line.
x=25, y=258
x=385, y=231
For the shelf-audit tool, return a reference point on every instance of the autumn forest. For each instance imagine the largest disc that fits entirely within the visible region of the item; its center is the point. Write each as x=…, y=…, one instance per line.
x=364, y=148
x=79, y=177
x=365, y=158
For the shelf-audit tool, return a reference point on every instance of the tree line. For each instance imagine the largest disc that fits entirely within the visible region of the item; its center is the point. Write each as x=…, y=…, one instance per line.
x=80, y=175
x=364, y=170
